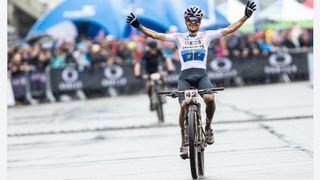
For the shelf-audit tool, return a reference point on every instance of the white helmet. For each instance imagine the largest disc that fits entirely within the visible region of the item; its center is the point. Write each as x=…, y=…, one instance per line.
x=193, y=11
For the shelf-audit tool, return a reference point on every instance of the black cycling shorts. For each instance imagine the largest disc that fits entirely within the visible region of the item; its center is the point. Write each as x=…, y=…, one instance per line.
x=193, y=77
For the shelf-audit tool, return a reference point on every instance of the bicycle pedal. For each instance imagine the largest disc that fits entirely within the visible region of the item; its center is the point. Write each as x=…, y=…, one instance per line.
x=184, y=156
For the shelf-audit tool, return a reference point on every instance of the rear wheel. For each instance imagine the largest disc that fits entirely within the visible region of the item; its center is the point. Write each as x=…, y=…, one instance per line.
x=160, y=112
x=201, y=163
x=193, y=152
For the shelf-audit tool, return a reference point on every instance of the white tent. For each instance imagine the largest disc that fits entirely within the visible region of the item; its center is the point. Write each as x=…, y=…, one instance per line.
x=233, y=10
x=65, y=30
x=286, y=10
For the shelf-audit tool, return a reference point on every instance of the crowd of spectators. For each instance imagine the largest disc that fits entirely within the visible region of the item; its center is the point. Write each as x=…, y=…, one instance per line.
x=263, y=42
x=85, y=53
x=102, y=50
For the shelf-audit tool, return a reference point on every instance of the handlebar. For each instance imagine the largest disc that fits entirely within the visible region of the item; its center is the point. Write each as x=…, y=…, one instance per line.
x=175, y=94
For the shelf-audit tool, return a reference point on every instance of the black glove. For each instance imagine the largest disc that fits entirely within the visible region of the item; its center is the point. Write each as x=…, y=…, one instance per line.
x=249, y=9
x=133, y=21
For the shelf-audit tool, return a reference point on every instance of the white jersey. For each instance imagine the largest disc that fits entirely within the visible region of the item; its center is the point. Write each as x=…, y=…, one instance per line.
x=193, y=50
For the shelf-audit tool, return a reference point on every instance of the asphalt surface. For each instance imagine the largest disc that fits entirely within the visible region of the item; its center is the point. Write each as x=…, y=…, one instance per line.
x=262, y=132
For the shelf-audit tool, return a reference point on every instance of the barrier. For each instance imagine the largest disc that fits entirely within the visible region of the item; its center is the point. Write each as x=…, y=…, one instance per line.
x=258, y=67
x=310, y=66
x=37, y=81
x=18, y=82
x=10, y=96
x=120, y=78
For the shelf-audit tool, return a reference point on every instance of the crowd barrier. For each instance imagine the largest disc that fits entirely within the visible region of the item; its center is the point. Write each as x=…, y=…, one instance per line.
x=120, y=77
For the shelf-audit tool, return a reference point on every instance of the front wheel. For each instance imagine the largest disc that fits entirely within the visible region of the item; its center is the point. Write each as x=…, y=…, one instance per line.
x=201, y=139
x=160, y=112
x=193, y=152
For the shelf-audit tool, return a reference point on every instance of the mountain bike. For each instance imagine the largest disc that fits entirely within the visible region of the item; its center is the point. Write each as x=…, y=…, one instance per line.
x=194, y=130
x=157, y=100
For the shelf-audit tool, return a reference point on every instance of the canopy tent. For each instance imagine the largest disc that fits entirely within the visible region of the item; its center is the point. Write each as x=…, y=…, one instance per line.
x=308, y=3
x=286, y=10
x=176, y=9
x=282, y=14
x=170, y=13
x=233, y=10
x=93, y=11
x=110, y=15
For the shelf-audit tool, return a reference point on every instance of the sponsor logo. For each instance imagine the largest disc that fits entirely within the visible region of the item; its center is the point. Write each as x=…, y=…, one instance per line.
x=70, y=77
x=113, y=76
x=221, y=68
x=38, y=76
x=86, y=11
x=280, y=63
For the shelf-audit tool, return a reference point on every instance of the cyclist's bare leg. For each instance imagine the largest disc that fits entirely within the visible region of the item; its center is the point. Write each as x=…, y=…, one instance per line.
x=183, y=148
x=210, y=109
x=148, y=90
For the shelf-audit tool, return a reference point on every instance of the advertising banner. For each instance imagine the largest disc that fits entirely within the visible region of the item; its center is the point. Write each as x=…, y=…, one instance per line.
x=37, y=83
x=121, y=77
x=281, y=62
x=19, y=85
x=66, y=79
x=117, y=76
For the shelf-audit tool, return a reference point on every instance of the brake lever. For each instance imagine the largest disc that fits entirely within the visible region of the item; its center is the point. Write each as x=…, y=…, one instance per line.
x=174, y=94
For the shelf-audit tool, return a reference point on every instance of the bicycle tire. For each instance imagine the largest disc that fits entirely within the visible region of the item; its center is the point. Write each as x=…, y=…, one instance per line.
x=160, y=112
x=201, y=163
x=192, y=144
x=201, y=139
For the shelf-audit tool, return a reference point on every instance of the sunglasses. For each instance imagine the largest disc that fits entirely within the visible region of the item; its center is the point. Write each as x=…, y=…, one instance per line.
x=193, y=19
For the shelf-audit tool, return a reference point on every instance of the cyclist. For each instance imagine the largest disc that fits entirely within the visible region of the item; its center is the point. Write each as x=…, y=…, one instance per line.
x=152, y=61
x=193, y=48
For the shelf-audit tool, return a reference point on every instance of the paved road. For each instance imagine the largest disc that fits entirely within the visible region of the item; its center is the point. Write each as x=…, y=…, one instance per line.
x=262, y=132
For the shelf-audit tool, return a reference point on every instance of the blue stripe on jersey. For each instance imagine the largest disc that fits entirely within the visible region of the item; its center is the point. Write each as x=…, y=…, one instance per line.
x=187, y=55
x=193, y=55
x=199, y=54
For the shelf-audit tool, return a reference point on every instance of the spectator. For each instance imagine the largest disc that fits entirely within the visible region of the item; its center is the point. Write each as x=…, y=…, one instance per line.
x=296, y=32
x=263, y=45
x=81, y=58
x=125, y=53
x=97, y=59
x=305, y=40
x=43, y=60
x=220, y=49
x=233, y=46
x=58, y=58
x=287, y=42
x=252, y=45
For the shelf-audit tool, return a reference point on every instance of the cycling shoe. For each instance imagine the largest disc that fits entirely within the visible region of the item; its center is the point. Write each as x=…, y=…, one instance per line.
x=184, y=152
x=209, y=136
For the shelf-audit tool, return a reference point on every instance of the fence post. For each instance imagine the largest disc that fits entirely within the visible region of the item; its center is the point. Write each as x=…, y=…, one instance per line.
x=10, y=96
x=28, y=90
x=310, y=67
x=49, y=93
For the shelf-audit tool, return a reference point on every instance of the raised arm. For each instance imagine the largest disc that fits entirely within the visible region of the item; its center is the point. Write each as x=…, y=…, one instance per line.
x=247, y=14
x=133, y=21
